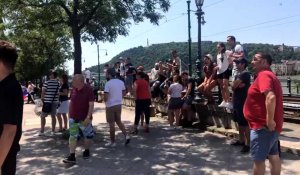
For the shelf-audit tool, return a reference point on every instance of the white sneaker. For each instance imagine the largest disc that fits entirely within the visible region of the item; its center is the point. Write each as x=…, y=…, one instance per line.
x=41, y=134
x=223, y=104
x=52, y=133
x=229, y=105
x=110, y=144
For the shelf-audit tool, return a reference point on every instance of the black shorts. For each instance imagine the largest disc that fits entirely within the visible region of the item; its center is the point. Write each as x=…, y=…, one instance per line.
x=238, y=116
x=9, y=164
x=225, y=75
x=175, y=103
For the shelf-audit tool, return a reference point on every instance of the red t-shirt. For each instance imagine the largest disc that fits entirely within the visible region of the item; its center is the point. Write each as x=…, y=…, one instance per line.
x=80, y=102
x=142, y=90
x=255, y=107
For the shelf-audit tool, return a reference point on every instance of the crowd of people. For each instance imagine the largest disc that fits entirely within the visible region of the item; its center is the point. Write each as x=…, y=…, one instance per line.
x=257, y=107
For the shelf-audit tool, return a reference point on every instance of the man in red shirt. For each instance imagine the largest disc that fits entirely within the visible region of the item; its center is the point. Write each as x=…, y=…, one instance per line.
x=80, y=112
x=264, y=111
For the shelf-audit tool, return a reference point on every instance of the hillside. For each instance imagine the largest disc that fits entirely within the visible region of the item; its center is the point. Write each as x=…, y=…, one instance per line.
x=147, y=56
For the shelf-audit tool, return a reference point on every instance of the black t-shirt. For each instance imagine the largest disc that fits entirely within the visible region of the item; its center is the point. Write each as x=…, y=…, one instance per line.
x=191, y=81
x=240, y=94
x=11, y=107
x=61, y=89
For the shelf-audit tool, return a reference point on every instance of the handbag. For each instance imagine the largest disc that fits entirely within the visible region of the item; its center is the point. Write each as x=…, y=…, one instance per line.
x=47, y=107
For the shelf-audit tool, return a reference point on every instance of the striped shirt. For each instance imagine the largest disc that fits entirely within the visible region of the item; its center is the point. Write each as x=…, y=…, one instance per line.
x=51, y=88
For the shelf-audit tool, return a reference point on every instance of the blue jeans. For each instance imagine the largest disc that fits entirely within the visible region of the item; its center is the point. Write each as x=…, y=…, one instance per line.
x=263, y=143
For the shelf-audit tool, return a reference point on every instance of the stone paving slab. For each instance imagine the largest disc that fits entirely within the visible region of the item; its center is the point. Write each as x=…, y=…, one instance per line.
x=162, y=151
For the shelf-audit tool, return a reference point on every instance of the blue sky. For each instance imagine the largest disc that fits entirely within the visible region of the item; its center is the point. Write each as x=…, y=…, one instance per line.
x=255, y=21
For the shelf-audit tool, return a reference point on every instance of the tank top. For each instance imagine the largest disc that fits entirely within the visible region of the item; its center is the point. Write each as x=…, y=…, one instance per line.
x=142, y=90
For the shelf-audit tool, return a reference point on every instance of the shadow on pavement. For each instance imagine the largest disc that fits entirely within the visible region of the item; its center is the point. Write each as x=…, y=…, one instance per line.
x=184, y=151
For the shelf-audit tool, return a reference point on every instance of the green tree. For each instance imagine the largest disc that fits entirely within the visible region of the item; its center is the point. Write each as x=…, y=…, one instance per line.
x=101, y=20
x=42, y=47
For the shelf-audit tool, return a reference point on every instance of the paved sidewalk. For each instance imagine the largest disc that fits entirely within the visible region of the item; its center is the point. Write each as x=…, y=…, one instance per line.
x=161, y=151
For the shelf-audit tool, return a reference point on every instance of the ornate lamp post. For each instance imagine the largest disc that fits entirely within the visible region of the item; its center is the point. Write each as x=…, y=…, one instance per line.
x=189, y=37
x=99, y=78
x=199, y=13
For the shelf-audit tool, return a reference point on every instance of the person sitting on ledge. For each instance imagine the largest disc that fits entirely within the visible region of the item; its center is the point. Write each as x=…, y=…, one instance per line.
x=210, y=80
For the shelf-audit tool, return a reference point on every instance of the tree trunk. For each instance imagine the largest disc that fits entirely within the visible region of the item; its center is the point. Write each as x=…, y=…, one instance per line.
x=77, y=49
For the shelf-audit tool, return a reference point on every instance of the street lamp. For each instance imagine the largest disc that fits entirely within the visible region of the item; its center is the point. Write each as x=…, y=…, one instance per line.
x=189, y=37
x=99, y=78
x=199, y=13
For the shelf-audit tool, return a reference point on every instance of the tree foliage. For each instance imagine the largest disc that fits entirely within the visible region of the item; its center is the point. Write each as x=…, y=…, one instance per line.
x=87, y=20
x=41, y=47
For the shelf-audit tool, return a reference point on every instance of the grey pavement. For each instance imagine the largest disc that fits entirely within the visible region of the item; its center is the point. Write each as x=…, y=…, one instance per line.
x=162, y=151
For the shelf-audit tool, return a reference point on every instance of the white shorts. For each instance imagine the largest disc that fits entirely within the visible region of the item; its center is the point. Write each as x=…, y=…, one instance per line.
x=63, y=107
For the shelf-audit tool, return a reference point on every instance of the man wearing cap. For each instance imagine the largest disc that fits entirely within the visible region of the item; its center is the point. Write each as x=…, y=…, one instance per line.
x=210, y=80
x=240, y=86
x=114, y=91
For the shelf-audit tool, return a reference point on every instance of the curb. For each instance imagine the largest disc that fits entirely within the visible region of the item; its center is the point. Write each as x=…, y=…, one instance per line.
x=234, y=134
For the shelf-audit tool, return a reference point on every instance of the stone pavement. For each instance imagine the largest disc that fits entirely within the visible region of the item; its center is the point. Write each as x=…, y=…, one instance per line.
x=184, y=151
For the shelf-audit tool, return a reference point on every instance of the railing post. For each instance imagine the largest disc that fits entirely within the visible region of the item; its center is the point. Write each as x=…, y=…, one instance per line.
x=289, y=86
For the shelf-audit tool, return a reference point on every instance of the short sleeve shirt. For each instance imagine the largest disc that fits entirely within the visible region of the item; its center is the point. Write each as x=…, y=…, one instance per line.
x=61, y=89
x=175, y=90
x=51, y=88
x=11, y=107
x=114, y=89
x=255, y=107
x=193, y=83
x=237, y=49
x=80, y=102
x=240, y=94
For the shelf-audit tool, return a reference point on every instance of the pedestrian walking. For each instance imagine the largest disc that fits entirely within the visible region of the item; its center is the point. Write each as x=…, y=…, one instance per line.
x=142, y=94
x=31, y=93
x=263, y=110
x=114, y=91
x=80, y=114
x=11, y=109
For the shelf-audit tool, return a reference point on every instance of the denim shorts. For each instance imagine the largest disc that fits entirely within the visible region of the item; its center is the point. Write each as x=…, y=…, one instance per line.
x=263, y=143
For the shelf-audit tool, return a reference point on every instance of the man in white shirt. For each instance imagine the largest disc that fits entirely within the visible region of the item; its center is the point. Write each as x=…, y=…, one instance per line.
x=114, y=91
x=87, y=75
x=237, y=53
x=154, y=72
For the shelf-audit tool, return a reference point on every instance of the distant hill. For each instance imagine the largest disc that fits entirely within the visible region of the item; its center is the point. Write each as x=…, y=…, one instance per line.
x=148, y=56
